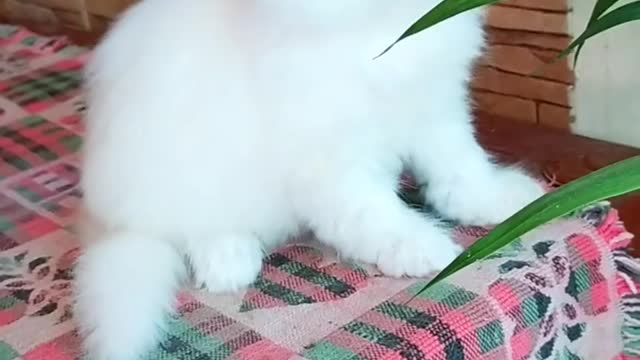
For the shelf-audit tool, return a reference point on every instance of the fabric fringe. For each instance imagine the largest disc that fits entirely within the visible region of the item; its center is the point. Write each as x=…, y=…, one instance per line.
x=627, y=282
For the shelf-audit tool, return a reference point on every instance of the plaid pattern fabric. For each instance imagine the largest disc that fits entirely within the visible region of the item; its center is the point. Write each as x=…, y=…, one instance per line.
x=564, y=292
x=32, y=141
x=292, y=277
x=38, y=90
x=19, y=224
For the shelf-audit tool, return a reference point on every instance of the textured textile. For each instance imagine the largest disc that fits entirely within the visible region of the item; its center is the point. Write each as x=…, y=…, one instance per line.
x=565, y=291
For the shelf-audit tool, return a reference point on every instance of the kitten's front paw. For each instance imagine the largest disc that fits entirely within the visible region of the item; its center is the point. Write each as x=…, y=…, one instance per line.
x=515, y=191
x=228, y=265
x=419, y=253
x=486, y=201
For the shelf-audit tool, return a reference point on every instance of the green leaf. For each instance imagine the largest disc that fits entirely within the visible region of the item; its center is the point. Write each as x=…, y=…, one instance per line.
x=623, y=14
x=611, y=181
x=600, y=8
x=443, y=11
x=597, y=22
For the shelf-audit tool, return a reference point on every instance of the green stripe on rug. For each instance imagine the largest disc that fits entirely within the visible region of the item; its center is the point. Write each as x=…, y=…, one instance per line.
x=444, y=293
x=328, y=282
x=387, y=339
x=56, y=81
x=407, y=314
x=324, y=350
x=7, y=352
x=9, y=301
x=280, y=292
x=186, y=342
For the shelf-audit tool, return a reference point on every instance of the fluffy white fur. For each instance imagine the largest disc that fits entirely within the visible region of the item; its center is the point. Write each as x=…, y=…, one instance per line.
x=216, y=128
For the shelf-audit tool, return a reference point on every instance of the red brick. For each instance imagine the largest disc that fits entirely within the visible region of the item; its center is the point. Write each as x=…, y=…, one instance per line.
x=529, y=62
x=524, y=38
x=109, y=8
x=521, y=86
x=505, y=106
x=554, y=116
x=505, y=17
x=551, y=5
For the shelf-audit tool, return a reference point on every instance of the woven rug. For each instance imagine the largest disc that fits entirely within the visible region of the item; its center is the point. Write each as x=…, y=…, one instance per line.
x=565, y=291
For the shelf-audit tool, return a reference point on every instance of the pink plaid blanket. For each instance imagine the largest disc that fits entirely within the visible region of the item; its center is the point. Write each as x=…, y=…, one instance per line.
x=565, y=291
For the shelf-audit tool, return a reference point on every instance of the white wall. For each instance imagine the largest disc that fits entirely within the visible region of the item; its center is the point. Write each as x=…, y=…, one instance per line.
x=606, y=98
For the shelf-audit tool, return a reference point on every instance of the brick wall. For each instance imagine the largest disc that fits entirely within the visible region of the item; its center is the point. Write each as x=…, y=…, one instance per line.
x=512, y=80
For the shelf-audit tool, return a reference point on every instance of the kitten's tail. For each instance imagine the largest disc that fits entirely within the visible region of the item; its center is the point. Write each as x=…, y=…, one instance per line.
x=125, y=285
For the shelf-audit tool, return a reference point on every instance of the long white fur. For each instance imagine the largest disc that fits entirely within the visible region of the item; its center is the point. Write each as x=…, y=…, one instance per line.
x=216, y=128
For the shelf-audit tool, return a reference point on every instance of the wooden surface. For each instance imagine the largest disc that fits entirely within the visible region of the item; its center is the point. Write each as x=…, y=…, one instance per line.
x=560, y=155
x=547, y=151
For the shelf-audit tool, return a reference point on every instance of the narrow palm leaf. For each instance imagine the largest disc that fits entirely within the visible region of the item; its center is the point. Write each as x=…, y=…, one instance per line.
x=623, y=14
x=611, y=181
x=600, y=8
x=443, y=11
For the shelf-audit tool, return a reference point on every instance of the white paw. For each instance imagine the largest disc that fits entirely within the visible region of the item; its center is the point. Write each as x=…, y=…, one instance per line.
x=419, y=253
x=228, y=264
x=486, y=201
x=515, y=191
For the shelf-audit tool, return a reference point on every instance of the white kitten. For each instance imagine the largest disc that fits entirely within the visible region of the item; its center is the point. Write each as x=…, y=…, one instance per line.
x=216, y=128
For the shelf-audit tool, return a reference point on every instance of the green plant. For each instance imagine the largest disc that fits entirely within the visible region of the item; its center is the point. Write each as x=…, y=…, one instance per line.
x=612, y=181
x=602, y=18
